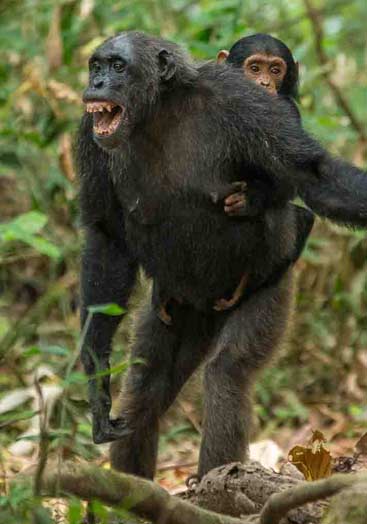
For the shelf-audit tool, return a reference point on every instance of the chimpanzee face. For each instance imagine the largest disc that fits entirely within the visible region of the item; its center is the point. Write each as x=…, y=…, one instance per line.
x=124, y=83
x=267, y=71
x=109, y=80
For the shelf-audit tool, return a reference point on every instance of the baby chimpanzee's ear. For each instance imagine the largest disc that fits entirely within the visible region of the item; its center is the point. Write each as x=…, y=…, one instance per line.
x=222, y=56
x=167, y=64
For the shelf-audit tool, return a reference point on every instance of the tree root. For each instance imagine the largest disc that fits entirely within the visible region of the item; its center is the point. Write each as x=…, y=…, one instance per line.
x=148, y=500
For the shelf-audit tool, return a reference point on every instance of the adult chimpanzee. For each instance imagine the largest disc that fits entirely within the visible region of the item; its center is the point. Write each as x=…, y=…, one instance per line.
x=162, y=134
x=337, y=191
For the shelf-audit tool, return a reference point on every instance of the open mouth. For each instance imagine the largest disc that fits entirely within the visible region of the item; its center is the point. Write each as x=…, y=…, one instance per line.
x=107, y=117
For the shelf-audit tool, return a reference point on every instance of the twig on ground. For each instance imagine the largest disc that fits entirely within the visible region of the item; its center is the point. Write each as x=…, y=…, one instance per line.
x=44, y=441
x=43, y=450
x=167, y=466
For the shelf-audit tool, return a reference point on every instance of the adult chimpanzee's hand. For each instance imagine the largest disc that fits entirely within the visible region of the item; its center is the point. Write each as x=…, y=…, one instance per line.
x=104, y=429
x=108, y=430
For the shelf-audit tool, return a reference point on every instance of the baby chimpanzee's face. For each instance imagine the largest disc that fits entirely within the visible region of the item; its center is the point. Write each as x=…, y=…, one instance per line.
x=267, y=71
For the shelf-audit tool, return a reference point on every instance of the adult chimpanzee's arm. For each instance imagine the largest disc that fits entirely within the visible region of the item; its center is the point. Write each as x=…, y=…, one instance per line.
x=292, y=162
x=107, y=275
x=295, y=163
x=338, y=192
x=269, y=137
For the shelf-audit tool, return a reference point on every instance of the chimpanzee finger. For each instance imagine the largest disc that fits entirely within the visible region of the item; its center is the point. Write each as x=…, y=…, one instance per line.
x=233, y=199
x=227, y=190
x=240, y=209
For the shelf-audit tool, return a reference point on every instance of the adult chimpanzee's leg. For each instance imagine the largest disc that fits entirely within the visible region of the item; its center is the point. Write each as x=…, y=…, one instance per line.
x=247, y=339
x=170, y=354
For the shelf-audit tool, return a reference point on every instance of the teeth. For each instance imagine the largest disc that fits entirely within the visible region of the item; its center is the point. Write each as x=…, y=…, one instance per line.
x=105, y=125
x=99, y=107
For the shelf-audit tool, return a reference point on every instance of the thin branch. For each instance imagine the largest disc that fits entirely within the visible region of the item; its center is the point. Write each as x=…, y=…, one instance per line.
x=44, y=441
x=167, y=466
x=316, y=21
x=43, y=449
x=279, y=504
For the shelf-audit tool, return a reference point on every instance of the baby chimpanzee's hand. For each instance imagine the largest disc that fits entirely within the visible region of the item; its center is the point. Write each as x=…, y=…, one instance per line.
x=234, y=197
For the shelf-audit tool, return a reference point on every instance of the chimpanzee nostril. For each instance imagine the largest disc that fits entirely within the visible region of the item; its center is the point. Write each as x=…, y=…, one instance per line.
x=98, y=83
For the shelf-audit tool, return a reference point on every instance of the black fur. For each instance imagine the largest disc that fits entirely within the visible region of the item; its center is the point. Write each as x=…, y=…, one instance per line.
x=263, y=43
x=186, y=130
x=336, y=190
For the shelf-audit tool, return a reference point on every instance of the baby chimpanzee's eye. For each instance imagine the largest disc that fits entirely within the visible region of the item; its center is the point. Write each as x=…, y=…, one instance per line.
x=255, y=68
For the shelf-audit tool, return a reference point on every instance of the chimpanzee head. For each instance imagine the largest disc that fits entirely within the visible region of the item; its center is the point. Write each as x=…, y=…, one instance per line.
x=265, y=60
x=127, y=76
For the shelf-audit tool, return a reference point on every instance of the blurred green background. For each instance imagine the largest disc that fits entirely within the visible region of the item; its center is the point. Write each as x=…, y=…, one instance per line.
x=320, y=379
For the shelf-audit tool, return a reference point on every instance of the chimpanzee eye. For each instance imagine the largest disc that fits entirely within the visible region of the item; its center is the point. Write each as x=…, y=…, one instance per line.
x=118, y=67
x=275, y=70
x=95, y=67
x=255, y=68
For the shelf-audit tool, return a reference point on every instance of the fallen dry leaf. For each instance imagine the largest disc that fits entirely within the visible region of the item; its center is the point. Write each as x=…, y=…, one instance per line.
x=313, y=461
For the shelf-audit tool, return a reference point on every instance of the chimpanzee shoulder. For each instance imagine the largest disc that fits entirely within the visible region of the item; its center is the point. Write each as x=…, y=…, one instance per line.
x=239, y=95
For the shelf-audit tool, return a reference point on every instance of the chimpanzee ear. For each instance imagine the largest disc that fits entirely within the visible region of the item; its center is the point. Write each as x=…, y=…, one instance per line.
x=222, y=56
x=167, y=64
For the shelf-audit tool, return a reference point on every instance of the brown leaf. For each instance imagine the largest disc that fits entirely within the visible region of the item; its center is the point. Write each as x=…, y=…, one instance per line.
x=54, y=46
x=66, y=156
x=313, y=461
x=361, y=446
x=62, y=91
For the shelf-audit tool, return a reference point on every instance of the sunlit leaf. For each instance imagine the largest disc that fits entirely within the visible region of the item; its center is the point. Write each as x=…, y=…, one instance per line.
x=107, y=309
x=313, y=461
x=31, y=222
x=50, y=350
x=16, y=417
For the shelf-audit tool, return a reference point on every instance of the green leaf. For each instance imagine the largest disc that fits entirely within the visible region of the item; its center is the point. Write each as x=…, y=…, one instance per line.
x=16, y=417
x=31, y=222
x=31, y=352
x=75, y=511
x=77, y=377
x=49, y=350
x=45, y=247
x=107, y=309
x=24, y=227
x=120, y=368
